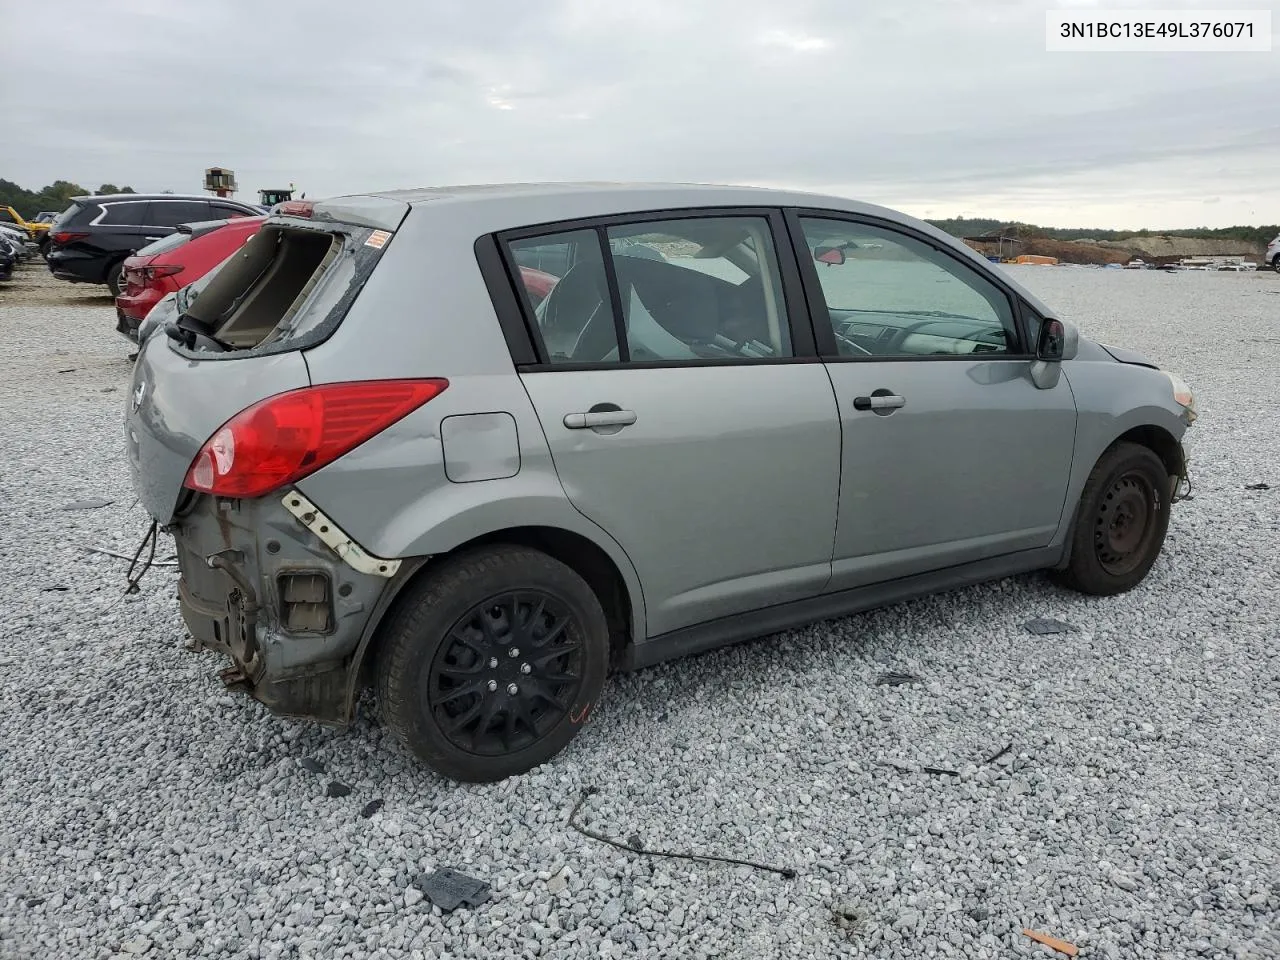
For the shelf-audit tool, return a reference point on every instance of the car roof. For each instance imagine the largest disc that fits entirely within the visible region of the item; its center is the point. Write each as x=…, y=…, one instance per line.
x=608, y=192
x=493, y=207
x=116, y=197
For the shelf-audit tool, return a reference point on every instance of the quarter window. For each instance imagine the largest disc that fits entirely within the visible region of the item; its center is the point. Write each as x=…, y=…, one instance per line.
x=130, y=213
x=890, y=295
x=689, y=290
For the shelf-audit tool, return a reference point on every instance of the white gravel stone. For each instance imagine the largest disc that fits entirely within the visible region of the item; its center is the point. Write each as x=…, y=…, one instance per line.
x=139, y=804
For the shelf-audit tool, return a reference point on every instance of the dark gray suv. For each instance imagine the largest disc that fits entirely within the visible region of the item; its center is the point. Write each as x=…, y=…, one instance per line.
x=89, y=241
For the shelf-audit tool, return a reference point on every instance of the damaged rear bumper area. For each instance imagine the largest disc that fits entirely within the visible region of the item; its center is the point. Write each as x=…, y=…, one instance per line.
x=275, y=585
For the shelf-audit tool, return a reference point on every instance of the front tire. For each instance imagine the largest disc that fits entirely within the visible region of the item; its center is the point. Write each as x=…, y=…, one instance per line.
x=492, y=662
x=1275, y=263
x=1121, y=522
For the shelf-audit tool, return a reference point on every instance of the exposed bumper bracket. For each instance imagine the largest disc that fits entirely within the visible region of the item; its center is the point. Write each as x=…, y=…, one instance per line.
x=354, y=555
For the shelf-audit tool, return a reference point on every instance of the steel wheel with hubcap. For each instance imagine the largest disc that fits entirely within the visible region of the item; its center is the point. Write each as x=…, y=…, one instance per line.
x=1121, y=521
x=506, y=673
x=492, y=661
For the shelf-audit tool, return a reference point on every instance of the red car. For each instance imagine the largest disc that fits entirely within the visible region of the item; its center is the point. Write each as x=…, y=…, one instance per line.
x=538, y=283
x=167, y=265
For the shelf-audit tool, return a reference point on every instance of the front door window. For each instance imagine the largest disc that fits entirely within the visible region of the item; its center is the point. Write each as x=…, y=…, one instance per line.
x=892, y=296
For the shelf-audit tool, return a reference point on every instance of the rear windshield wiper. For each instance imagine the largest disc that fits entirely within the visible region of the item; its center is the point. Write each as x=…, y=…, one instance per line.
x=186, y=329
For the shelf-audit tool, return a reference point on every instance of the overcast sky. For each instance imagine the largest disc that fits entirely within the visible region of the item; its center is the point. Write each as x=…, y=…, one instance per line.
x=937, y=107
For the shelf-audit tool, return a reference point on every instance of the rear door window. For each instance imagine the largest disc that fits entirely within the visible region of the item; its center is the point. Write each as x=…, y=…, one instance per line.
x=170, y=213
x=695, y=289
x=222, y=211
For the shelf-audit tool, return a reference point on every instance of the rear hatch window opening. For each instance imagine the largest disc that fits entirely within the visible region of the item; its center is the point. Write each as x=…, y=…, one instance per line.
x=287, y=288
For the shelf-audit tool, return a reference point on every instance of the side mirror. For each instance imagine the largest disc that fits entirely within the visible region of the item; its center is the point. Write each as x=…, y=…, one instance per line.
x=831, y=256
x=1053, y=341
x=1058, y=341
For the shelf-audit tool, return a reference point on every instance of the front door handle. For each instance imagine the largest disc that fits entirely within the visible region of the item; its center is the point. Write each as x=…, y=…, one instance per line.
x=599, y=418
x=879, y=401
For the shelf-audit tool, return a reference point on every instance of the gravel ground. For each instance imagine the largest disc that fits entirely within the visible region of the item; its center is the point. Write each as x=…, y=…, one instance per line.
x=144, y=812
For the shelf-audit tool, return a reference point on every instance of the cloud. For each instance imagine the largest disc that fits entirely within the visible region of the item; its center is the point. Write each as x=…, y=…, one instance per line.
x=950, y=103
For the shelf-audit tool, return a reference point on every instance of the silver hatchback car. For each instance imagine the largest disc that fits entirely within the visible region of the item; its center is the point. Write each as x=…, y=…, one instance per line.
x=479, y=446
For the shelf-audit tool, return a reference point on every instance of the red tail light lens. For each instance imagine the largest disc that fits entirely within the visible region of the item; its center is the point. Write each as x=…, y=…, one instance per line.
x=69, y=236
x=282, y=439
x=162, y=270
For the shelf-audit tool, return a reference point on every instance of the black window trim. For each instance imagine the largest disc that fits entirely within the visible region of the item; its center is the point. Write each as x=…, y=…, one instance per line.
x=515, y=311
x=822, y=328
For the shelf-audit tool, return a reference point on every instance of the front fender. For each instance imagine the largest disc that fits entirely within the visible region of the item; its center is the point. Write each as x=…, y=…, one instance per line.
x=1113, y=399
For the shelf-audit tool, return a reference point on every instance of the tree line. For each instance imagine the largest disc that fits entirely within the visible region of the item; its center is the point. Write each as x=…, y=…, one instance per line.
x=56, y=196
x=976, y=226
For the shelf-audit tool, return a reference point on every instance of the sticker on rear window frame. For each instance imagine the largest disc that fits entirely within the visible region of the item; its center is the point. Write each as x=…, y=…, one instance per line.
x=378, y=239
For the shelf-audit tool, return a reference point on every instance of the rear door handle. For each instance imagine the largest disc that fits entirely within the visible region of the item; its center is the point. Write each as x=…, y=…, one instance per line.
x=599, y=418
x=150, y=238
x=886, y=401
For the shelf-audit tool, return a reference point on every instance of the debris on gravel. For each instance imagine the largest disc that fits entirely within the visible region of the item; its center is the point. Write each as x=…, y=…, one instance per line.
x=449, y=889
x=1044, y=626
x=894, y=679
x=143, y=807
x=92, y=504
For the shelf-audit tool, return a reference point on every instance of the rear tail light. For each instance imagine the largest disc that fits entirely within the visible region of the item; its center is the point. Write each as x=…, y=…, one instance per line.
x=69, y=236
x=284, y=438
x=162, y=270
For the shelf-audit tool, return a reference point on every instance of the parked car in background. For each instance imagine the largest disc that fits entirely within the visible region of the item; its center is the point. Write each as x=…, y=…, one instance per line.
x=35, y=231
x=46, y=216
x=172, y=305
x=380, y=461
x=90, y=240
x=174, y=261
x=1273, y=254
x=8, y=260
x=17, y=239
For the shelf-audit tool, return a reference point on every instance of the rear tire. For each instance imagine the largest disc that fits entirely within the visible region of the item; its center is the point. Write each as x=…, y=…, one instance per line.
x=1275, y=263
x=113, y=278
x=1121, y=522
x=492, y=662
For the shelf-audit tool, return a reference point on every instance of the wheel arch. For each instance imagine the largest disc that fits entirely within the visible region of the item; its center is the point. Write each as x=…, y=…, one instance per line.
x=618, y=594
x=1155, y=438
x=1159, y=441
